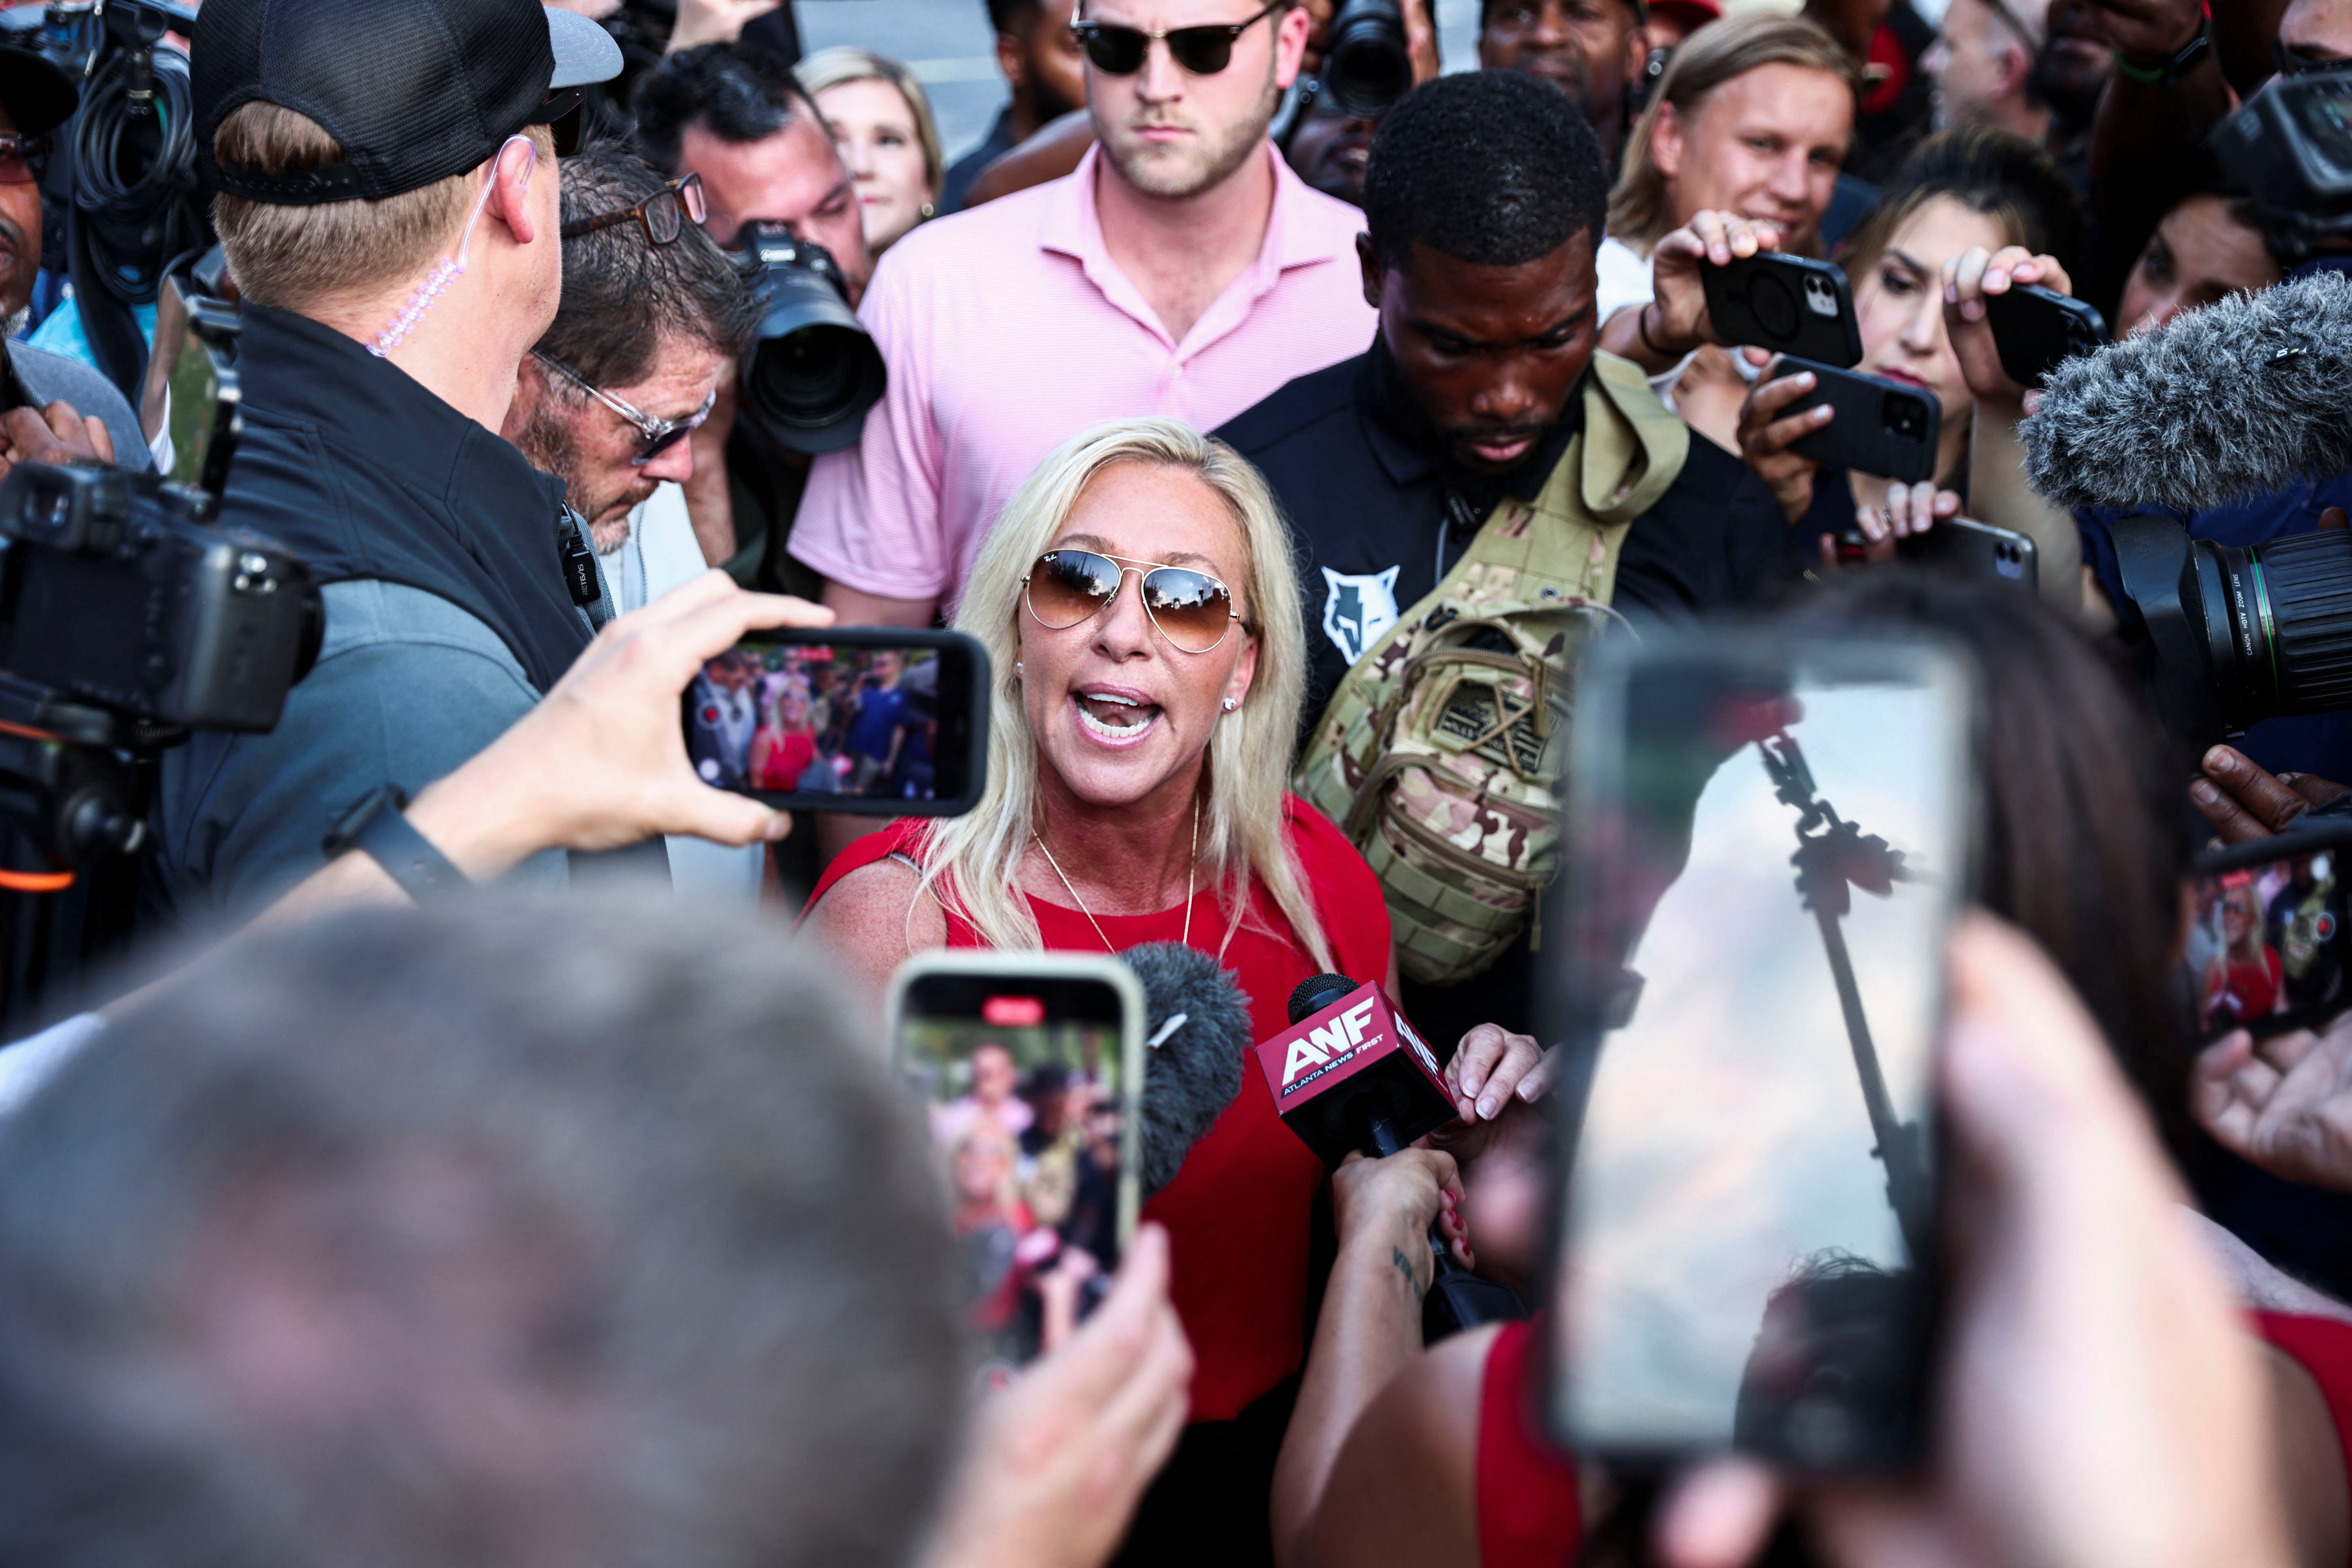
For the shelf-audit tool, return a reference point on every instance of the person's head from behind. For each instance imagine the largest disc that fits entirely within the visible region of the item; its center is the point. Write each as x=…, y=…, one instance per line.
x=738, y=117
x=1039, y=57
x=342, y=192
x=1980, y=188
x=1982, y=62
x=36, y=97
x=1139, y=610
x=1589, y=49
x=1483, y=211
x=1753, y=116
x=1171, y=126
x=2208, y=247
x=881, y=121
x=651, y=326
x=414, y=1241
x=2080, y=839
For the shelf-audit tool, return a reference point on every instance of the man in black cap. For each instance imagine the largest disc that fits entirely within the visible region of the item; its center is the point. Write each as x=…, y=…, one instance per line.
x=387, y=196
x=68, y=409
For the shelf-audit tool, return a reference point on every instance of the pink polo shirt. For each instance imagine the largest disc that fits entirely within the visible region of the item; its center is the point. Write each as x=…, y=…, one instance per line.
x=1008, y=330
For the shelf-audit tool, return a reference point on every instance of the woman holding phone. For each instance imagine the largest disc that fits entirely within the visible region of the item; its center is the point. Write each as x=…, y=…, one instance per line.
x=1142, y=620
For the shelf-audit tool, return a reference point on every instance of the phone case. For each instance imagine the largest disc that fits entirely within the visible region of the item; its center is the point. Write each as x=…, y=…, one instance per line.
x=1973, y=549
x=1882, y=428
x=960, y=737
x=2036, y=329
x=1789, y=304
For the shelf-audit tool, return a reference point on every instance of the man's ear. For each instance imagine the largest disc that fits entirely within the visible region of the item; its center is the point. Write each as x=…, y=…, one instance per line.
x=1011, y=62
x=511, y=173
x=1376, y=276
x=1290, y=45
x=2016, y=66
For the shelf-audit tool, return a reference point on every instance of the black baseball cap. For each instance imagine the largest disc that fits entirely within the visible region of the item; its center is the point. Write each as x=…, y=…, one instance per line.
x=413, y=91
x=37, y=96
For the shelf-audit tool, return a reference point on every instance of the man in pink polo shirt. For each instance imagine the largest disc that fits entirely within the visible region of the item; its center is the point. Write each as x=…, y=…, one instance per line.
x=1182, y=270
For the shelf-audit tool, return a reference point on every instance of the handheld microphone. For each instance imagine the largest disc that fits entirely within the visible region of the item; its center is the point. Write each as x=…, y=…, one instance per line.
x=2241, y=398
x=1350, y=1074
x=1196, y=1029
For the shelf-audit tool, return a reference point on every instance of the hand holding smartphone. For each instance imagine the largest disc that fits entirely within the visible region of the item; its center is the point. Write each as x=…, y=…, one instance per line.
x=1028, y=1067
x=1770, y=841
x=1789, y=304
x=1879, y=427
x=884, y=722
x=2036, y=329
x=2267, y=948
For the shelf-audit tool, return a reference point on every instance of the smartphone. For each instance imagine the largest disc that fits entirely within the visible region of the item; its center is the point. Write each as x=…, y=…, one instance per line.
x=2037, y=329
x=1882, y=428
x=882, y=721
x=1771, y=838
x=2267, y=947
x=191, y=389
x=1790, y=304
x=1027, y=1068
x=1971, y=548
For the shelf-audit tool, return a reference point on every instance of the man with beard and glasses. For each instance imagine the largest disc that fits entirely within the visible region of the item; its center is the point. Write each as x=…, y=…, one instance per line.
x=1044, y=70
x=68, y=408
x=647, y=330
x=1183, y=269
x=1592, y=50
x=1479, y=382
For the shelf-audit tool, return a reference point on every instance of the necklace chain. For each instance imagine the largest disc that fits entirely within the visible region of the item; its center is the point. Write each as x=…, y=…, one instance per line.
x=1191, y=872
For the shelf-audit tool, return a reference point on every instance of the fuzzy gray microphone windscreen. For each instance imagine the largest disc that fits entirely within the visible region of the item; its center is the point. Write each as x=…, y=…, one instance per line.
x=2242, y=397
x=1194, y=1070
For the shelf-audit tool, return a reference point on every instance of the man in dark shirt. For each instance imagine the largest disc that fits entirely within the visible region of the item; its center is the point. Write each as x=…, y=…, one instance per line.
x=1484, y=200
x=1040, y=58
x=1592, y=50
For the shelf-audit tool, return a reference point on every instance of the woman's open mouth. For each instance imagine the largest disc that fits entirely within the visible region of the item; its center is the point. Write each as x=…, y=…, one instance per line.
x=1117, y=717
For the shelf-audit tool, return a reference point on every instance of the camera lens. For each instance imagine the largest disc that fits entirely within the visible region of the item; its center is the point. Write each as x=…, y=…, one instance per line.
x=1907, y=416
x=1368, y=68
x=2278, y=624
x=812, y=371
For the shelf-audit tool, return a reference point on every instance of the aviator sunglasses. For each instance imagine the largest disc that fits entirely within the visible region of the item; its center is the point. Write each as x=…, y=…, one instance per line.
x=660, y=435
x=1192, y=609
x=1204, y=51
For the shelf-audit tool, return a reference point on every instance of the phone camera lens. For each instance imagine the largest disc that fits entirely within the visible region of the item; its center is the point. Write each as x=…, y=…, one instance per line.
x=1906, y=418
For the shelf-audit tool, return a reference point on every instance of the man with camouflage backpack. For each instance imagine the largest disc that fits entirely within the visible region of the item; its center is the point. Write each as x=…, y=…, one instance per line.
x=1472, y=499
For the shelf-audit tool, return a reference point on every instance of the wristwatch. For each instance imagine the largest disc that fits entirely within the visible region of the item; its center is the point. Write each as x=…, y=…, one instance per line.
x=2170, y=73
x=376, y=825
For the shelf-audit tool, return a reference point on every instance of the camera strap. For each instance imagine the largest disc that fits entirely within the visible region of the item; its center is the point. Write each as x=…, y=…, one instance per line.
x=585, y=583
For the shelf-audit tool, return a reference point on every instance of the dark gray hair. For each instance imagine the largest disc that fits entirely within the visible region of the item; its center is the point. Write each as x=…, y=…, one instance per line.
x=511, y=1232
x=624, y=295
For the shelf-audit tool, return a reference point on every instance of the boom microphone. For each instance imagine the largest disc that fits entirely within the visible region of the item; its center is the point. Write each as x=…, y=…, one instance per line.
x=1196, y=1025
x=2240, y=398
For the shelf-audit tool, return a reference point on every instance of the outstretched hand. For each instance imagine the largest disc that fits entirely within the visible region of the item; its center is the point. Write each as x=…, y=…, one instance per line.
x=2283, y=1103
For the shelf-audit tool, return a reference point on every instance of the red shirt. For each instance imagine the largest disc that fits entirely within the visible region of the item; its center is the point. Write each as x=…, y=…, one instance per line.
x=1237, y=1212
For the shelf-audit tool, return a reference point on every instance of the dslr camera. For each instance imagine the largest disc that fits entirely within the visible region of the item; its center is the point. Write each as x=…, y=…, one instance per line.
x=128, y=617
x=812, y=369
x=2290, y=149
x=1367, y=67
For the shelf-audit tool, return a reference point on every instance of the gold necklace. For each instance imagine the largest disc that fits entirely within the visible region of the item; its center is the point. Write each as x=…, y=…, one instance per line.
x=1190, y=873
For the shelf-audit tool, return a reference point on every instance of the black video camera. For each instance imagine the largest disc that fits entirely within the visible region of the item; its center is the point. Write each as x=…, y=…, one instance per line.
x=1368, y=69
x=2290, y=149
x=2237, y=635
x=129, y=616
x=812, y=369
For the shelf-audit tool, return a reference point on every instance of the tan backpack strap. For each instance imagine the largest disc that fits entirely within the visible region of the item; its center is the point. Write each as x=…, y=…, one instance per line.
x=1634, y=445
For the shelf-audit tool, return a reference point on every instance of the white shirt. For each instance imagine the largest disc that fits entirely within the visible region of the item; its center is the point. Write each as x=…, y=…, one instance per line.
x=660, y=553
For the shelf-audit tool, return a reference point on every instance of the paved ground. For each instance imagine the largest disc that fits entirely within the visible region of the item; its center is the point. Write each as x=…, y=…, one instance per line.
x=949, y=45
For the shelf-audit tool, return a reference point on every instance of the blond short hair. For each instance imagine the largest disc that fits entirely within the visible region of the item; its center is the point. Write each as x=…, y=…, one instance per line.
x=847, y=63
x=1640, y=208
x=973, y=860
x=291, y=258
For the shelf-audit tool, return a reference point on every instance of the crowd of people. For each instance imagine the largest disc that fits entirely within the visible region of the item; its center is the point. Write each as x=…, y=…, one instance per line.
x=1284, y=459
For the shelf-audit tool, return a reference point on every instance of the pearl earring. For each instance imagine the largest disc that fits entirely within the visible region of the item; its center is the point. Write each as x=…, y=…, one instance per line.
x=1232, y=703
x=1016, y=669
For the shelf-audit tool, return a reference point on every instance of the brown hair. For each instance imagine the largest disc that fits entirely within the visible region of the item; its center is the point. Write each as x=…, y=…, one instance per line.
x=1997, y=173
x=1640, y=211
x=293, y=257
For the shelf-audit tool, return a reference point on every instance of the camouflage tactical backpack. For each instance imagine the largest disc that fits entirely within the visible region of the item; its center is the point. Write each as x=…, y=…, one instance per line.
x=1440, y=751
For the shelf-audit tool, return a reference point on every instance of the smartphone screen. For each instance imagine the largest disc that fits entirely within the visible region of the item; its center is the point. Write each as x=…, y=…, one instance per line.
x=1027, y=1071
x=1771, y=840
x=2267, y=946
x=880, y=722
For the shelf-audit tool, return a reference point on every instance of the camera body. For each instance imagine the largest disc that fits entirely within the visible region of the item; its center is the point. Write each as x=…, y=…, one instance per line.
x=2291, y=149
x=2239, y=635
x=812, y=369
x=118, y=589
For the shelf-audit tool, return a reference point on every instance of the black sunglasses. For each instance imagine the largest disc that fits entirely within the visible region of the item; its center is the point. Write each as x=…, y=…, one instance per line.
x=662, y=216
x=561, y=114
x=1204, y=51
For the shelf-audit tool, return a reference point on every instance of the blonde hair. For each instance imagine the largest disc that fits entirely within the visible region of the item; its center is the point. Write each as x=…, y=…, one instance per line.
x=972, y=863
x=847, y=63
x=293, y=257
x=1641, y=209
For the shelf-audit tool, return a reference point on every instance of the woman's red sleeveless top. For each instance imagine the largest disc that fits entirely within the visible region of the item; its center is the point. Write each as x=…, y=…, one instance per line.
x=1237, y=1212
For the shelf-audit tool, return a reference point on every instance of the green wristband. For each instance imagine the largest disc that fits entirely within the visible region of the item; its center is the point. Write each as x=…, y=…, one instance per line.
x=2145, y=76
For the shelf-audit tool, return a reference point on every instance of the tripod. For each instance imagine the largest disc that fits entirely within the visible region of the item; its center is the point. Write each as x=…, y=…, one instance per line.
x=1833, y=857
